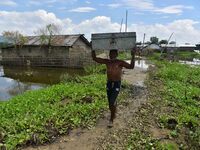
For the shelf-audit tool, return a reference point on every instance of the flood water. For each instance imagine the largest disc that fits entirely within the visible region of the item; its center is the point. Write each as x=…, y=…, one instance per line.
x=195, y=61
x=140, y=64
x=16, y=80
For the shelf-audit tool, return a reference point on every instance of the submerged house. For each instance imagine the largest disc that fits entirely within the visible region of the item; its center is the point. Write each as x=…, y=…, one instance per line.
x=64, y=51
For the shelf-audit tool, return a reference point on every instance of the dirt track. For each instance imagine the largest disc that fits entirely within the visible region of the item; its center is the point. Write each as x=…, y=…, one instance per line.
x=94, y=138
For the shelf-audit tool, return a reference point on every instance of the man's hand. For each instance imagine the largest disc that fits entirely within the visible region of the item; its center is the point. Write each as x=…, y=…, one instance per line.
x=99, y=60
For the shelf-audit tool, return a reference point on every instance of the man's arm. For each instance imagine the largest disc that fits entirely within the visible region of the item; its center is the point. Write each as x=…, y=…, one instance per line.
x=99, y=60
x=132, y=64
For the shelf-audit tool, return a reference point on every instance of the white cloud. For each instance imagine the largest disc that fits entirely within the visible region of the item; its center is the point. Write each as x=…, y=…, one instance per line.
x=51, y=1
x=116, y=5
x=174, y=9
x=87, y=2
x=83, y=9
x=39, y=2
x=26, y=22
x=8, y=3
x=33, y=2
x=139, y=4
x=96, y=25
x=148, y=5
x=185, y=31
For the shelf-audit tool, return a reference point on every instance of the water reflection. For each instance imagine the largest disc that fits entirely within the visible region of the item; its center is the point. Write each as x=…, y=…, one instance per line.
x=14, y=81
x=10, y=87
x=140, y=64
x=193, y=62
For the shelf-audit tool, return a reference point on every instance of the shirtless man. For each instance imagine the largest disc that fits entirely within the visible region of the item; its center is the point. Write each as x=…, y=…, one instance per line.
x=114, y=74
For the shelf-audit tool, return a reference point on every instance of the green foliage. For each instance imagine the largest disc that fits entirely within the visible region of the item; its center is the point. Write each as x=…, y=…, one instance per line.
x=163, y=42
x=15, y=37
x=178, y=55
x=4, y=45
x=137, y=140
x=174, y=89
x=198, y=46
x=124, y=55
x=95, y=69
x=187, y=55
x=36, y=116
x=174, y=133
x=154, y=40
x=182, y=88
x=167, y=146
x=46, y=34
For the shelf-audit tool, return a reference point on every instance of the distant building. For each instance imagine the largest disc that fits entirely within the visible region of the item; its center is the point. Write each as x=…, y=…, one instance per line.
x=153, y=47
x=64, y=51
x=187, y=47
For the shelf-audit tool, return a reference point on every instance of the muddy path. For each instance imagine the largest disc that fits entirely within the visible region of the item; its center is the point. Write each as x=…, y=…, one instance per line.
x=85, y=139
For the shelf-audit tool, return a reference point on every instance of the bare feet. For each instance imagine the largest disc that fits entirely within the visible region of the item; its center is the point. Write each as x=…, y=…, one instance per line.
x=110, y=124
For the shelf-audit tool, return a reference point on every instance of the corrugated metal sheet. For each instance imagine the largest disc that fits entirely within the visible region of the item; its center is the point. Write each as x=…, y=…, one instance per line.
x=57, y=40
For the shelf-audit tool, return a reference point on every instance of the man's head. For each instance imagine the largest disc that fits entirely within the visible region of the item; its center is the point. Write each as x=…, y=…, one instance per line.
x=113, y=53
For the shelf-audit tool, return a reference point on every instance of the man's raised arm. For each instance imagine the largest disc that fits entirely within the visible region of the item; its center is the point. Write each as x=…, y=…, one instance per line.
x=132, y=64
x=99, y=60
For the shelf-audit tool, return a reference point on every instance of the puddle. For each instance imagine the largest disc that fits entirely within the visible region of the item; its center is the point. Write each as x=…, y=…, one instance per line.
x=140, y=64
x=193, y=62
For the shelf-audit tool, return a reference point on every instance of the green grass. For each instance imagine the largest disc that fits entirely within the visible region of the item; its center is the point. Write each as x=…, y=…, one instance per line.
x=175, y=90
x=124, y=55
x=182, y=88
x=187, y=55
x=179, y=55
x=138, y=140
x=36, y=116
x=181, y=93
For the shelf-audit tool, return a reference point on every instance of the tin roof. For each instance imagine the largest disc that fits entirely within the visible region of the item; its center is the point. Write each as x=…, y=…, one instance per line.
x=57, y=40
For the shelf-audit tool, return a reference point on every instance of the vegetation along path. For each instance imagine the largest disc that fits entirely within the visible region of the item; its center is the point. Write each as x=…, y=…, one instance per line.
x=85, y=139
x=158, y=109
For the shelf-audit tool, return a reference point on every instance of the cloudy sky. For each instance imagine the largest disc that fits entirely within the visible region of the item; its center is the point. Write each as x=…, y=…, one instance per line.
x=154, y=17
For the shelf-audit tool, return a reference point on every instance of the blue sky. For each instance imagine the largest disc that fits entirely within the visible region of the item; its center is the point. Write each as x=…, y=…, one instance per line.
x=153, y=17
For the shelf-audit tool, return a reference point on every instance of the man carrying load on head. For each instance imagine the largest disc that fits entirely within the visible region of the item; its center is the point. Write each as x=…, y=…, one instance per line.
x=114, y=73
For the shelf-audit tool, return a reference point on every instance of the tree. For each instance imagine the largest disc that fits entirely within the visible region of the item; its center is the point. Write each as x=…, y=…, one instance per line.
x=138, y=43
x=198, y=46
x=154, y=40
x=46, y=34
x=148, y=42
x=163, y=42
x=14, y=37
x=172, y=42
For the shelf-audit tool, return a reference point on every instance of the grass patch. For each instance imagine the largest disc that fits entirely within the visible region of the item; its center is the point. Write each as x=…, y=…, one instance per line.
x=124, y=55
x=178, y=55
x=138, y=140
x=37, y=117
x=187, y=55
x=175, y=101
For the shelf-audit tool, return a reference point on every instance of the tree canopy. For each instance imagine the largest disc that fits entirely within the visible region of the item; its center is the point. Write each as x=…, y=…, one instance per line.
x=15, y=37
x=154, y=40
x=163, y=42
x=46, y=33
x=172, y=42
x=198, y=46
